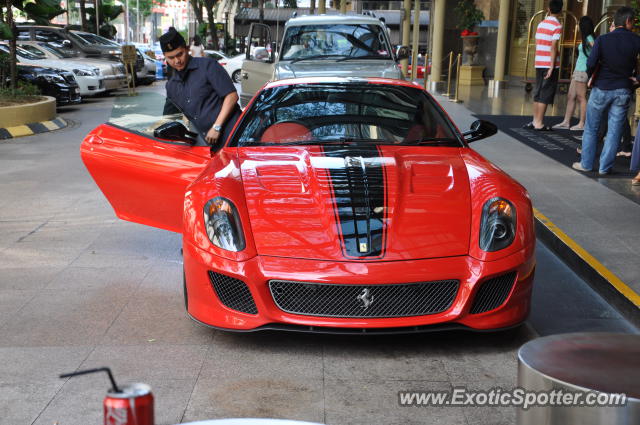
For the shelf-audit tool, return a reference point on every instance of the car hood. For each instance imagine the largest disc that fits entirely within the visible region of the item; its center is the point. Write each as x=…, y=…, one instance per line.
x=373, y=203
x=330, y=68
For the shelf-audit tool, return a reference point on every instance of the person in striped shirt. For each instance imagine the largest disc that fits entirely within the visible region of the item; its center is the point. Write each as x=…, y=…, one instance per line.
x=547, y=64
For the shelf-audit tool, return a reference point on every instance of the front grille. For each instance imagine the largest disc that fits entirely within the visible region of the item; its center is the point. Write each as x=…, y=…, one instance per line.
x=233, y=293
x=334, y=300
x=493, y=293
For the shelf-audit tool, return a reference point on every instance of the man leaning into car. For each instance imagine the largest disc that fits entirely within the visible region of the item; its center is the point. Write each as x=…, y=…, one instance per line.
x=201, y=88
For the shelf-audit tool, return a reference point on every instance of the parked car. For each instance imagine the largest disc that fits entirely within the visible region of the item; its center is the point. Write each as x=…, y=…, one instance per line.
x=233, y=66
x=214, y=54
x=349, y=205
x=148, y=74
x=84, y=44
x=112, y=72
x=52, y=82
x=325, y=45
x=87, y=77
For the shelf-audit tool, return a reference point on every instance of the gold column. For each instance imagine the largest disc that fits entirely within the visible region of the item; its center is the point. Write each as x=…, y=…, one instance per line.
x=322, y=7
x=406, y=29
x=343, y=6
x=437, y=46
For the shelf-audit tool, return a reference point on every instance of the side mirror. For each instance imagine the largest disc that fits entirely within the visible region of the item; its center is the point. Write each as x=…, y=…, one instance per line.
x=480, y=129
x=175, y=131
x=261, y=54
x=402, y=52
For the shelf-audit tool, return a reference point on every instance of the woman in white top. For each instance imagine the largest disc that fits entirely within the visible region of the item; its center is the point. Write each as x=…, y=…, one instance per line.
x=196, y=49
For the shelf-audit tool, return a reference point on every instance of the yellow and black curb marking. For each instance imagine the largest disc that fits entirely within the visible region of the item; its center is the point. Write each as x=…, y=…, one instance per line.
x=602, y=280
x=32, y=128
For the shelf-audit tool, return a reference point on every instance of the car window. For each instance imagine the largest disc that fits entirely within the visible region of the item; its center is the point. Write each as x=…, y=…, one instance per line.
x=345, y=112
x=86, y=38
x=48, y=36
x=20, y=52
x=58, y=51
x=24, y=35
x=144, y=113
x=348, y=40
x=34, y=50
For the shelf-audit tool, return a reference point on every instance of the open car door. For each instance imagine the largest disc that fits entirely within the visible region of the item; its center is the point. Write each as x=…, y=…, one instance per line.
x=259, y=64
x=143, y=160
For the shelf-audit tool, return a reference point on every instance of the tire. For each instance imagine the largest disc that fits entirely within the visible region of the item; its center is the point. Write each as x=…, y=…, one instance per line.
x=184, y=290
x=236, y=76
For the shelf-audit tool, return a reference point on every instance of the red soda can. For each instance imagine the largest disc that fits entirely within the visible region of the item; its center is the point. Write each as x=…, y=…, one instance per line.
x=128, y=405
x=132, y=405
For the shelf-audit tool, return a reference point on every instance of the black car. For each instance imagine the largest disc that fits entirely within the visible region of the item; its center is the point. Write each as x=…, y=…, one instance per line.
x=52, y=82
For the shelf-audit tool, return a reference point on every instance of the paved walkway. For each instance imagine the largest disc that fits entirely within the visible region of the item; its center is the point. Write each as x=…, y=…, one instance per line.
x=602, y=222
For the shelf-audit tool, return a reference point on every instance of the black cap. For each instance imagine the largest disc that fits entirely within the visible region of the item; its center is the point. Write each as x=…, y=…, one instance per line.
x=171, y=40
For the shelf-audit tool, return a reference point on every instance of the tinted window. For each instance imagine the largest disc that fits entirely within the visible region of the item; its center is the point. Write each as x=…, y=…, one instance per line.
x=24, y=35
x=33, y=50
x=345, y=112
x=86, y=38
x=338, y=39
x=48, y=36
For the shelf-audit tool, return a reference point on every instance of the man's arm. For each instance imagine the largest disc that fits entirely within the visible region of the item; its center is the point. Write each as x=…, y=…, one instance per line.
x=228, y=106
x=554, y=55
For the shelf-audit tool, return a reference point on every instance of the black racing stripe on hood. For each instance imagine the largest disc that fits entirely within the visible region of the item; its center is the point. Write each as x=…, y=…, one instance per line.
x=358, y=189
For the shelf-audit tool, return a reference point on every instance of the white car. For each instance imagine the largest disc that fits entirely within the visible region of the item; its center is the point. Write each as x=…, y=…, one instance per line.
x=112, y=72
x=88, y=77
x=234, y=67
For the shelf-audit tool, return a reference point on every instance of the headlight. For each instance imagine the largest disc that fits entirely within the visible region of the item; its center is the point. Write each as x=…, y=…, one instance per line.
x=52, y=78
x=498, y=225
x=83, y=73
x=223, y=226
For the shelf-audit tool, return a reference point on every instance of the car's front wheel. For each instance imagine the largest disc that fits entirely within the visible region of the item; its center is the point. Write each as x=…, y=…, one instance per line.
x=236, y=76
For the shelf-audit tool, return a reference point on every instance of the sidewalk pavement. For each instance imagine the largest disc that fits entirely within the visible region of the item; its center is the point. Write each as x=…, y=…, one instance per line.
x=591, y=227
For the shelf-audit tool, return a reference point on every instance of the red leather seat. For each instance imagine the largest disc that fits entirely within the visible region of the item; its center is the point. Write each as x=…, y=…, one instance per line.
x=286, y=132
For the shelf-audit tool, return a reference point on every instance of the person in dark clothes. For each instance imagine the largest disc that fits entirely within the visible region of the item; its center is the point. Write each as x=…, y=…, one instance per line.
x=615, y=55
x=201, y=88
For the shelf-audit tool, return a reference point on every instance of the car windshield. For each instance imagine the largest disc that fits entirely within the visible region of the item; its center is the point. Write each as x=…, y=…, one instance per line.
x=343, y=40
x=58, y=51
x=86, y=38
x=20, y=52
x=345, y=113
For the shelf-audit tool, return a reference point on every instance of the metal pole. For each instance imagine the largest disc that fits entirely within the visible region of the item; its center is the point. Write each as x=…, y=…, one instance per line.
x=97, y=18
x=416, y=40
x=448, y=93
x=406, y=28
x=126, y=21
x=138, y=20
x=426, y=70
x=455, y=98
x=501, y=48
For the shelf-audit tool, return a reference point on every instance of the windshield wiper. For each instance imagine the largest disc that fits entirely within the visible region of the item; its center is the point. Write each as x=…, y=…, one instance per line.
x=314, y=57
x=433, y=141
x=363, y=57
x=343, y=141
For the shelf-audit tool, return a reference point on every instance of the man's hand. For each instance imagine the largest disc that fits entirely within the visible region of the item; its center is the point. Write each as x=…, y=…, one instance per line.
x=548, y=74
x=212, y=136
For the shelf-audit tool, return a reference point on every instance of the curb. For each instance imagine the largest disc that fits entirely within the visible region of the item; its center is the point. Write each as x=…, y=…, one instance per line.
x=32, y=128
x=598, y=277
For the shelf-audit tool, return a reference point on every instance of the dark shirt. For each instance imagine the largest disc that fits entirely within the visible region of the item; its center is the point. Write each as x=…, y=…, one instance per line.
x=617, y=53
x=199, y=91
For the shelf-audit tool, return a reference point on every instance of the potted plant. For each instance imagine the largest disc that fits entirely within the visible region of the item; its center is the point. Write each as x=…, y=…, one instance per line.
x=468, y=17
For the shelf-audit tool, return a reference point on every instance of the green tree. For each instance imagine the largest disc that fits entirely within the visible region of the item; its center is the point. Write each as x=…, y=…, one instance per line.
x=39, y=11
x=107, y=12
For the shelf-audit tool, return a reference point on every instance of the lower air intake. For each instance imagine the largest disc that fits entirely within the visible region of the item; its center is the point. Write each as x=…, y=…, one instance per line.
x=233, y=293
x=335, y=300
x=493, y=293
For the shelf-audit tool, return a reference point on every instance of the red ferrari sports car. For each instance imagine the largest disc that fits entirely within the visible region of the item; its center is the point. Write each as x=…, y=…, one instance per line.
x=336, y=205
